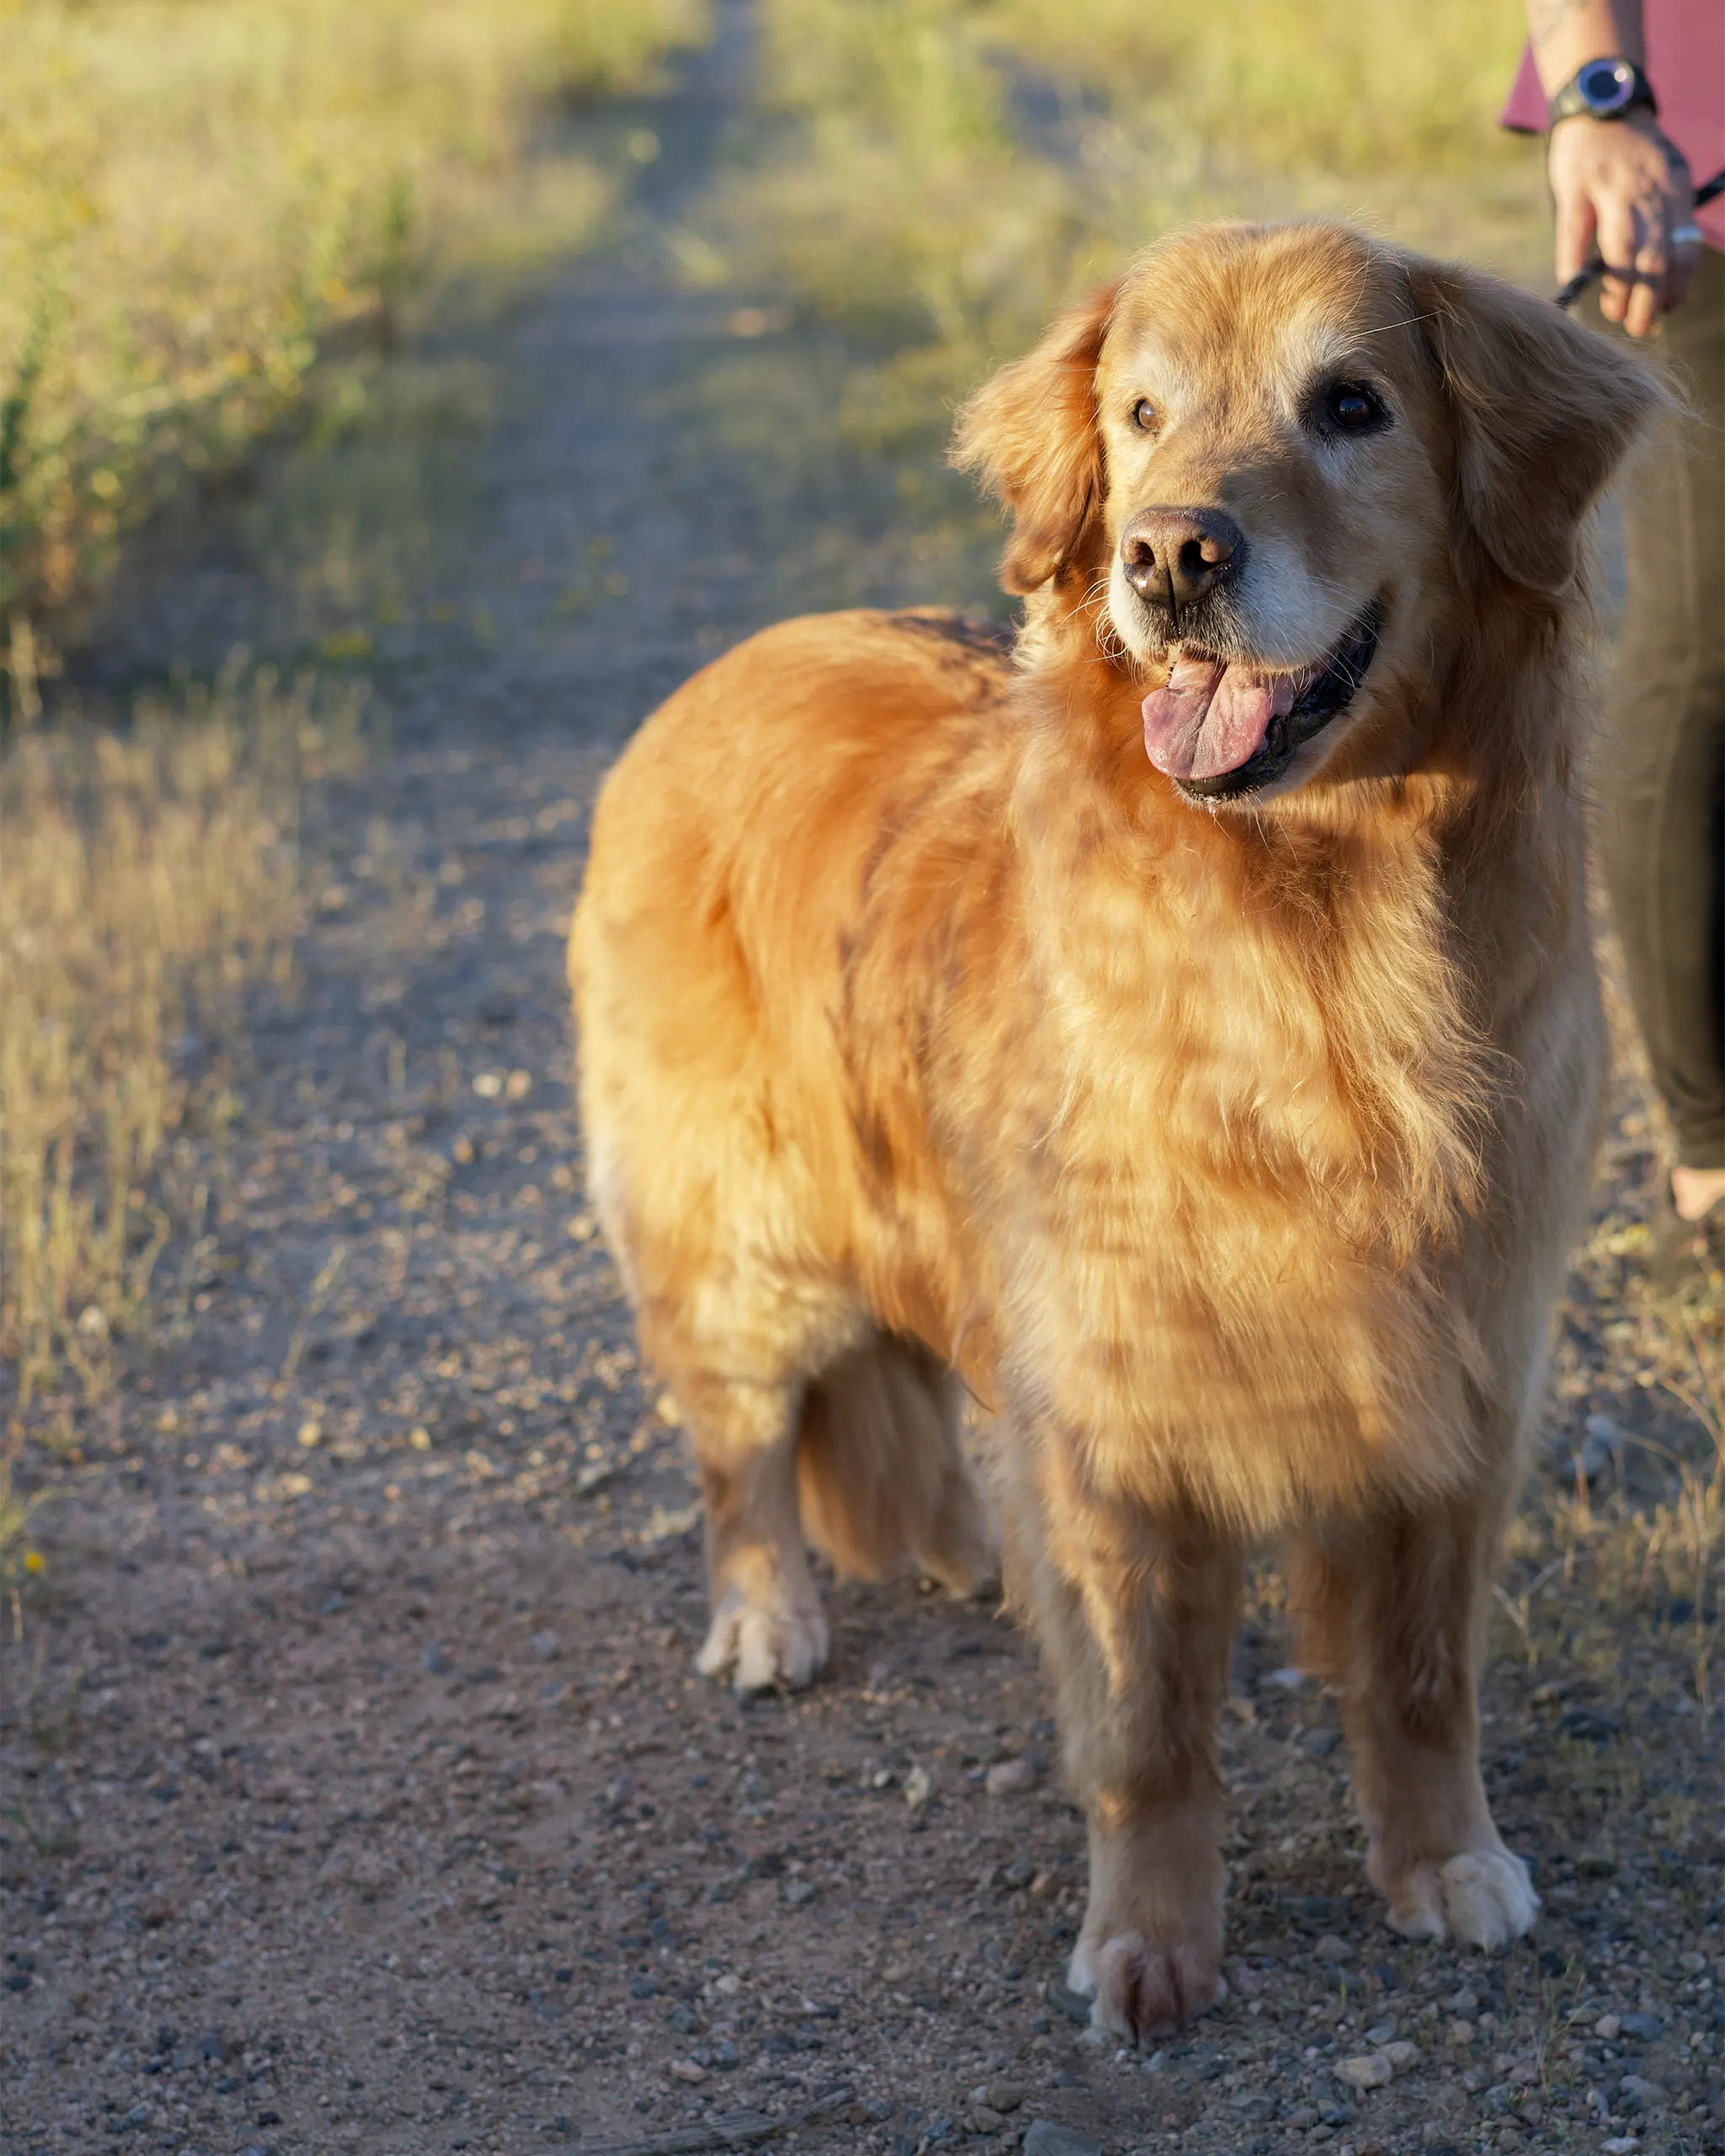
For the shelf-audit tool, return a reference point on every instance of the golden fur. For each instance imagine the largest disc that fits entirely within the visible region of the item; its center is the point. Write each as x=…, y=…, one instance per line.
x=1229, y=1152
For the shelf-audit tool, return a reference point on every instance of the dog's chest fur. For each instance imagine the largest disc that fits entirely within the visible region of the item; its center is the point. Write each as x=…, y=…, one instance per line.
x=1207, y=1132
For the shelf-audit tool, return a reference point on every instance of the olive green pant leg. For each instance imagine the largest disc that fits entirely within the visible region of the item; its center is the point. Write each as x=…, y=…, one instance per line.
x=1660, y=780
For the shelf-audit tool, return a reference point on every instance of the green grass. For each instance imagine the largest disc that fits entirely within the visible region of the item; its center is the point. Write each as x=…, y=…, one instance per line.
x=938, y=175
x=194, y=194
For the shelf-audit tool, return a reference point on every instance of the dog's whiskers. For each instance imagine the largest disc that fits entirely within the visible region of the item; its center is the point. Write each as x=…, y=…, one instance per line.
x=1106, y=635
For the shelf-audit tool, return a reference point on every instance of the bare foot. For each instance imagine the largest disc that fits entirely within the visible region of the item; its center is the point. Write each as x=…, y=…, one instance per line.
x=1694, y=1191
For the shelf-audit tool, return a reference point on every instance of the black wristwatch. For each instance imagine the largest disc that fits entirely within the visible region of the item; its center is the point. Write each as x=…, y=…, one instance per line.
x=1603, y=89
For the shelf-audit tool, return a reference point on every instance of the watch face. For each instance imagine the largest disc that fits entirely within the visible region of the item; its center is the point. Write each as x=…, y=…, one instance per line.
x=1606, y=86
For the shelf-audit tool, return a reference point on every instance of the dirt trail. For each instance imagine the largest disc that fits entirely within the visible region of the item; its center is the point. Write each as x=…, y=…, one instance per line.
x=360, y=1795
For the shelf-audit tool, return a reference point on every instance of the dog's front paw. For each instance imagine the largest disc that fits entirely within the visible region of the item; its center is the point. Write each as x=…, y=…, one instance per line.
x=1483, y=1898
x=1141, y=1991
x=764, y=1647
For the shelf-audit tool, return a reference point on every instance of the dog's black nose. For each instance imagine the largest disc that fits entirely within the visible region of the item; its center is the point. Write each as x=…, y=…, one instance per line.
x=1175, y=556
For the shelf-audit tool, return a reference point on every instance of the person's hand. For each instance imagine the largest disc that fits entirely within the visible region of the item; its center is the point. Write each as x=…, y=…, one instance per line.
x=1621, y=182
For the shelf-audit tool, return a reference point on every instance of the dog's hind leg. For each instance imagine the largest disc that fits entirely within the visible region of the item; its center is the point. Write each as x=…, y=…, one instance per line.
x=1393, y=1613
x=863, y=1460
x=767, y=1628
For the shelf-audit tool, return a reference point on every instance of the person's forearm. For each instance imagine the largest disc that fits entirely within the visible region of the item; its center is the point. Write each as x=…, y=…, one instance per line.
x=1567, y=33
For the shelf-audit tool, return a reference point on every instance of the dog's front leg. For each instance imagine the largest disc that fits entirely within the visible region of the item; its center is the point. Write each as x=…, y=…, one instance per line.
x=1134, y=1610
x=1393, y=1613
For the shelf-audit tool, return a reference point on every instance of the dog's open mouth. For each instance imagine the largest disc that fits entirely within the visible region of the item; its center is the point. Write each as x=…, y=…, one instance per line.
x=1221, y=727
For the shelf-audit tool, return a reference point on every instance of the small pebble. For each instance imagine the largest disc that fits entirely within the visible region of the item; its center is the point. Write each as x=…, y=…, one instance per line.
x=1402, y=2054
x=1370, y=2070
x=1609, y=2027
x=919, y=1787
x=436, y=1662
x=1645, y=2028
x=1043, y=2137
x=1329, y=1948
x=1601, y=1449
x=1012, y=1778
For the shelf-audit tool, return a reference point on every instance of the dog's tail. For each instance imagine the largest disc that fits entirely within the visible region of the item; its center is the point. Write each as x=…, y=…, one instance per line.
x=880, y=1475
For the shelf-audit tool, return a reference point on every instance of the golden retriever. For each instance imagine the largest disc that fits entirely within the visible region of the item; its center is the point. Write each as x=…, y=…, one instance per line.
x=1180, y=1029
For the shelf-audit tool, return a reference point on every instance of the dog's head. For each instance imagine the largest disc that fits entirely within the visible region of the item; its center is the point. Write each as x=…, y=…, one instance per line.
x=1270, y=459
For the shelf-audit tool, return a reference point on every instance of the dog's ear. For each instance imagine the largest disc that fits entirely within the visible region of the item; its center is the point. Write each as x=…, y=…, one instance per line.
x=1543, y=412
x=1031, y=433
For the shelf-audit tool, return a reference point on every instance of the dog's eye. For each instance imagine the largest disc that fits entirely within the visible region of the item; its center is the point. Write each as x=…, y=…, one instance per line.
x=1350, y=408
x=1144, y=416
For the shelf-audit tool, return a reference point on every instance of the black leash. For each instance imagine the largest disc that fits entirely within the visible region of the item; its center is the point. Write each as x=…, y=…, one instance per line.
x=1584, y=276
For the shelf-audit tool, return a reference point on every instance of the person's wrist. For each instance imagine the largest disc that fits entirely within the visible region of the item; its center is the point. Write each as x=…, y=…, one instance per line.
x=1637, y=120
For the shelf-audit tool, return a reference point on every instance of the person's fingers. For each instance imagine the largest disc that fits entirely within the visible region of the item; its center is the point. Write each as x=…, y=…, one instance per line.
x=1575, y=229
x=1648, y=297
x=1620, y=244
x=1683, y=235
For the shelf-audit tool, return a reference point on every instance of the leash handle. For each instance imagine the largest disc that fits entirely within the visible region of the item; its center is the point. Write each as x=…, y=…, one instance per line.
x=1596, y=267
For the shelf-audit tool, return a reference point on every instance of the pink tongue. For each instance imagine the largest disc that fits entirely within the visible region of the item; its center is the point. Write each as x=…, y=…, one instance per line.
x=1211, y=718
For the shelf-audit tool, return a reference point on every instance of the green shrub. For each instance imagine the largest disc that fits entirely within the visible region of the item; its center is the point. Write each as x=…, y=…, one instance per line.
x=194, y=192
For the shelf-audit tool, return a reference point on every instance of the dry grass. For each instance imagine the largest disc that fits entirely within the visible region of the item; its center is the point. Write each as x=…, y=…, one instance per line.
x=151, y=880
x=195, y=193
x=1671, y=1549
x=195, y=196
x=148, y=883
